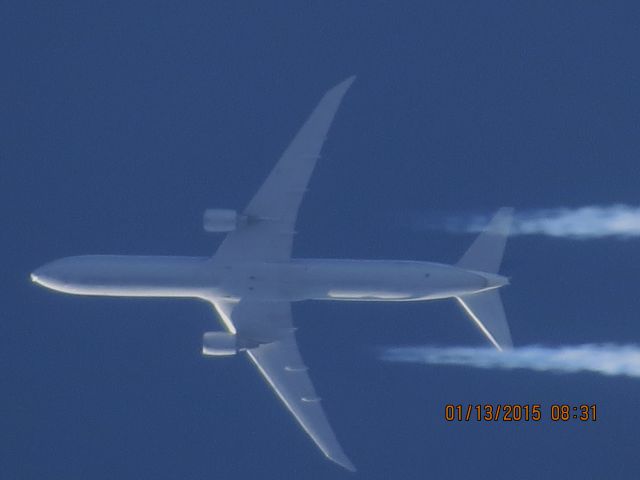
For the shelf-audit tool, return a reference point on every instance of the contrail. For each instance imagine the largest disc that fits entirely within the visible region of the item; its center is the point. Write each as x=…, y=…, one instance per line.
x=589, y=222
x=605, y=359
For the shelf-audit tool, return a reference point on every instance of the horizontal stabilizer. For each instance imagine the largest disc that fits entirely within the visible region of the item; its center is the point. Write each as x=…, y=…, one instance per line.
x=485, y=254
x=485, y=309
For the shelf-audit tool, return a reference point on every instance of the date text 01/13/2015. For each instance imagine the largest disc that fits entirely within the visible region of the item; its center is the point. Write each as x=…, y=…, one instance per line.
x=519, y=412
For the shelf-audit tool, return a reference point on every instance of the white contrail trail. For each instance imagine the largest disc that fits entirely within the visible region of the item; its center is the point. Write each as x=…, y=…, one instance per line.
x=605, y=359
x=589, y=222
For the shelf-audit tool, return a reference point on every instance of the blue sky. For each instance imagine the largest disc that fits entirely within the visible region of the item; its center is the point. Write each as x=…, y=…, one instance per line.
x=122, y=121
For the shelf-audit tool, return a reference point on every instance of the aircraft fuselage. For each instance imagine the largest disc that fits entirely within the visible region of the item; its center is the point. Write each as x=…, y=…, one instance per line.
x=294, y=280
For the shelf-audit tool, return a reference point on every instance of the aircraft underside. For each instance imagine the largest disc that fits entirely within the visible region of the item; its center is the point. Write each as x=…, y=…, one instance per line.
x=252, y=279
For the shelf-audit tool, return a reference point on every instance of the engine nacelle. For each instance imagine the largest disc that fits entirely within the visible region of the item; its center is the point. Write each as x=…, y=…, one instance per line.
x=219, y=344
x=220, y=220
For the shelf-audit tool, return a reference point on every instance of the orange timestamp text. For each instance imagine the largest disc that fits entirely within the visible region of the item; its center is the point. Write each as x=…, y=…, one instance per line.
x=516, y=412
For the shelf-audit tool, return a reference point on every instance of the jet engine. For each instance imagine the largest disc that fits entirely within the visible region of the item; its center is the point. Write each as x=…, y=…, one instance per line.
x=219, y=344
x=221, y=220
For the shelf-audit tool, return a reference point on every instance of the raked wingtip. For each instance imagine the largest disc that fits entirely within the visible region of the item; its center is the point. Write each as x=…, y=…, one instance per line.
x=345, y=84
x=344, y=462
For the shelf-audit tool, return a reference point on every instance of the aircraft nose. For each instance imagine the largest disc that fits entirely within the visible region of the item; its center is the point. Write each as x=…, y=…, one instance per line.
x=39, y=275
x=46, y=275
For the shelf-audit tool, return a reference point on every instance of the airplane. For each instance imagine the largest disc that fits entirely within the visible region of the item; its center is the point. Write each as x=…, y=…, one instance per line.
x=251, y=280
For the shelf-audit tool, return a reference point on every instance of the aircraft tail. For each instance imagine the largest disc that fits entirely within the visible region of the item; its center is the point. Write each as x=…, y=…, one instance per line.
x=485, y=255
x=486, y=310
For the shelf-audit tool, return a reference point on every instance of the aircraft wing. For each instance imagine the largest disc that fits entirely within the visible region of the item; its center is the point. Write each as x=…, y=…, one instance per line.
x=268, y=235
x=281, y=365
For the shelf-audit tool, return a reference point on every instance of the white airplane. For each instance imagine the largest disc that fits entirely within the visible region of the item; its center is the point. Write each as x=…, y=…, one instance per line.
x=252, y=279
